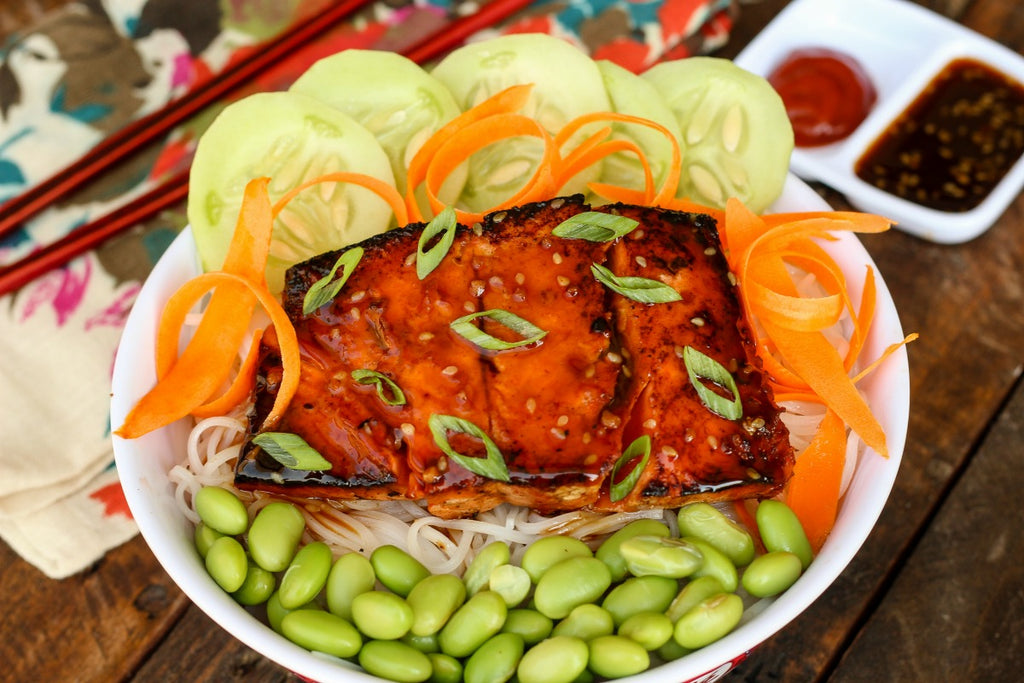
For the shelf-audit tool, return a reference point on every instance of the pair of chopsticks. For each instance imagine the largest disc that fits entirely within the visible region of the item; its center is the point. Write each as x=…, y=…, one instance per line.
x=150, y=128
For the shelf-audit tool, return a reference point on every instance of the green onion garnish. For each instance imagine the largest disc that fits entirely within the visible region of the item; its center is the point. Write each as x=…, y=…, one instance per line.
x=492, y=467
x=621, y=489
x=394, y=395
x=595, y=226
x=291, y=450
x=326, y=288
x=641, y=289
x=443, y=224
x=465, y=328
x=702, y=368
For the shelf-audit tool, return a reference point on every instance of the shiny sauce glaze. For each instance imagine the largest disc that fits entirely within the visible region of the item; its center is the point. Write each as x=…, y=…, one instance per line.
x=951, y=147
x=827, y=94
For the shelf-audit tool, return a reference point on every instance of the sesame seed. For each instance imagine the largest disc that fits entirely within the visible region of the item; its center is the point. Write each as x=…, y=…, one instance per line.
x=410, y=259
x=531, y=405
x=426, y=336
x=519, y=296
x=670, y=452
x=353, y=313
x=713, y=442
x=557, y=433
x=408, y=429
x=679, y=351
x=546, y=243
x=469, y=307
x=477, y=287
x=688, y=435
x=613, y=357
x=442, y=464
x=650, y=423
x=753, y=474
x=637, y=234
x=641, y=261
x=496, y=282
x=587, y=438
x=557, y=258
x=710, y=251
x=732, y=279
x=478, y=229
x=450, y=370
x=590, y=371
x=590, y=459
x=498, y=217
x=520, y=278
x=697, y=322
x=358, y=296
x=626, y=372
x=562, y=420
x=610, y=420
x=563, y=280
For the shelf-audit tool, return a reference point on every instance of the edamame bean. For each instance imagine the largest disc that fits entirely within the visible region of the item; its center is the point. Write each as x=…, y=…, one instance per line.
x=351, y=575
x=560, y=659
x=672, y=651
x=528, y=623
x=322, y=631
x=617, y=657
x=396, y=569
x=658, y=556
x=481, y=617
x=771, y=573
x=708, y=621
x=548, y=551
x=692, y=593
x=433, y=601
x=381, y=615
x=204, y=537
x=610, y=553
x=227, y=564
x=510, y=582
x=478, y=573
x=446, y=669
x=275, y=613
x=570, y=583
x=709, y=524
x=221, y=510
x=640, y=594
x=780, y=529
x=306, y=575
x=586, y=622
x=650, y=629
x=275, y=534
x=715, y=564
x=258, y=586
x=395, y=661
x=425, y=644
x=496, y=660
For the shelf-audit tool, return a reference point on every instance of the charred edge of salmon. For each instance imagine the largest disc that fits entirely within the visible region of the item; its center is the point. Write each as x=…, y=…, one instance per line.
x=702, y=228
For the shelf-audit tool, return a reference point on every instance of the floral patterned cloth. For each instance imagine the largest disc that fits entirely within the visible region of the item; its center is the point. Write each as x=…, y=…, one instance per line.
x=80, y=74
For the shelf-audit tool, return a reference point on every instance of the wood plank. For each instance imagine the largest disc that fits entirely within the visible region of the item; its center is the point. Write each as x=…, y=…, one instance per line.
x=198, y=649
x=95, y=626
x=956, y=610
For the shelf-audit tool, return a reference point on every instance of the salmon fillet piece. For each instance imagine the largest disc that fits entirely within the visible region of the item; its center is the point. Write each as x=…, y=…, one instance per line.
x=560, y=410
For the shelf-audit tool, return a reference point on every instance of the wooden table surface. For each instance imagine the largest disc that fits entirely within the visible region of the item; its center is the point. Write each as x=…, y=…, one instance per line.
x=935, y=594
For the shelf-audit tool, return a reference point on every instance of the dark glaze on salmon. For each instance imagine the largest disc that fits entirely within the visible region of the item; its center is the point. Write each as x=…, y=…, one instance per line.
x=561, y=410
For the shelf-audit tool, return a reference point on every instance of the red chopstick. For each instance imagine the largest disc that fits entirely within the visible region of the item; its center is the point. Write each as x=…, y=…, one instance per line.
x=175, y=189
x=150, y=128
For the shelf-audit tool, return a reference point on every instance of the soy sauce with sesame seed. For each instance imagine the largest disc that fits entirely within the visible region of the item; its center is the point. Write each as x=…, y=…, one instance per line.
x=952, y=146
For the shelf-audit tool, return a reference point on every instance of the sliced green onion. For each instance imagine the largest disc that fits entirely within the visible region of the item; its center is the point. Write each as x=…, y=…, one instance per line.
x=702, y=368
x=595, y=226
x=326, y=288
x=641, y=289
x=443, y=224
x=394, y=397
x=291, y=450
x=492, y=467
x=621, y=489
x=465, y=328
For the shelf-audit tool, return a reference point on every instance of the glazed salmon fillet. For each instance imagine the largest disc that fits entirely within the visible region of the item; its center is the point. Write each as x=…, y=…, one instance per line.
x=560, y=410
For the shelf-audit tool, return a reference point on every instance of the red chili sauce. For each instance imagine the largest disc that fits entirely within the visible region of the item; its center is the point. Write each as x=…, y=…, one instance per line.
x=826, y=93
x=952, y=146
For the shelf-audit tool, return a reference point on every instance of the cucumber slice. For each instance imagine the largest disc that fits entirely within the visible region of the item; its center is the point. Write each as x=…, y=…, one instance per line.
x=392, y=96
x=738, y=137
x=289, y=138
x=566, y=84
x=632, y=95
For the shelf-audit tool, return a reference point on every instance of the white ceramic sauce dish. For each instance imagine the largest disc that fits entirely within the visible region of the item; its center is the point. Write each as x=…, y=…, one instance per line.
x=902, y=47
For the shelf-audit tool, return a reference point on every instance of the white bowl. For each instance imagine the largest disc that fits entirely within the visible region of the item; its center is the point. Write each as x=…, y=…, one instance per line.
x=902, y=47
x=143, y=465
